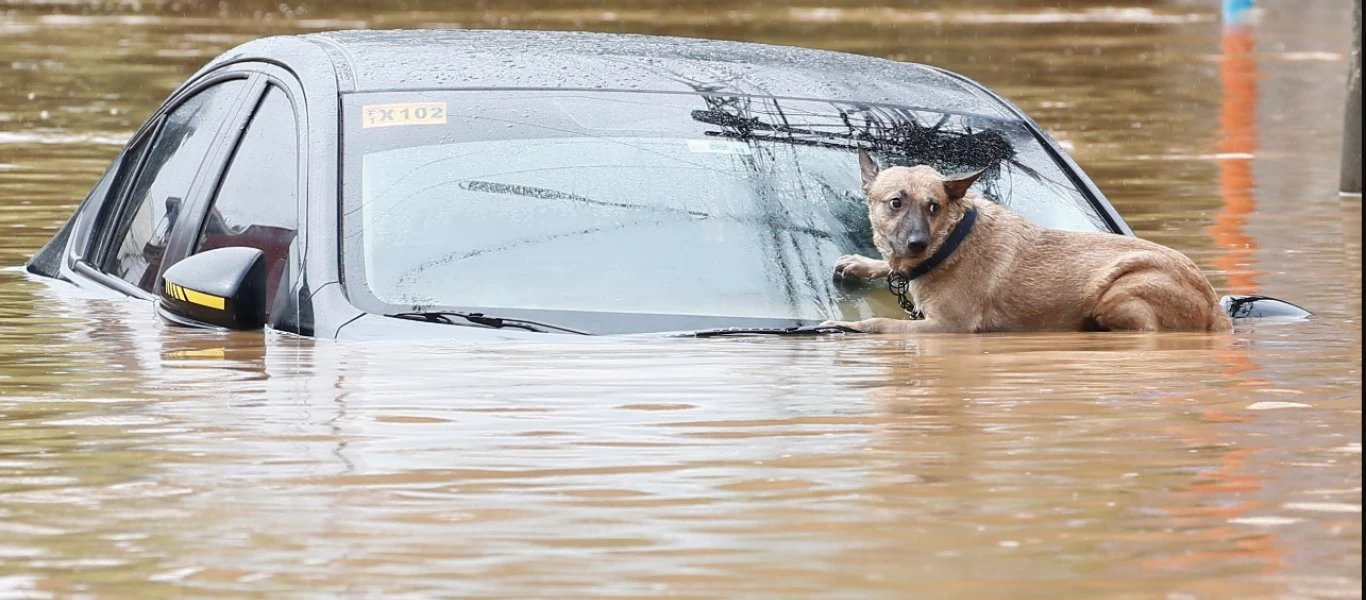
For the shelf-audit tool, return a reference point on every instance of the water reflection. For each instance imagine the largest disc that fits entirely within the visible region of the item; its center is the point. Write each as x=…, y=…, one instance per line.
x=137, y=460
x=1237, y=146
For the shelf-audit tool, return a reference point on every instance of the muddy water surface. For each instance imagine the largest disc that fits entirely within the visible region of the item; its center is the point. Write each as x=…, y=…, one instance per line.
x=137, y=461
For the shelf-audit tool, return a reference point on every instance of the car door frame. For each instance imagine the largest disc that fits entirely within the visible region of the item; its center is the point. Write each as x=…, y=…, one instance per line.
x=92, y=240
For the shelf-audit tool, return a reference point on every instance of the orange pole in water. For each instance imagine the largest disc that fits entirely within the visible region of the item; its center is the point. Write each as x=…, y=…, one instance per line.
x=1238, y=142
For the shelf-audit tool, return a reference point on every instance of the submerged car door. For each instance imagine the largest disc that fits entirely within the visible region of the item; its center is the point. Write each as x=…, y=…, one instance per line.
x=160, y=174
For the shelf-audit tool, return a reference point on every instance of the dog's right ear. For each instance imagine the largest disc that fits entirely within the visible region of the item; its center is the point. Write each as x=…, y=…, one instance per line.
x=867, y=168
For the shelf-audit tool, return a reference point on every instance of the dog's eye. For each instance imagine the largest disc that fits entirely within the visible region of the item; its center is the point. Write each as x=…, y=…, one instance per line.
x=895, y=202
x=933, y=207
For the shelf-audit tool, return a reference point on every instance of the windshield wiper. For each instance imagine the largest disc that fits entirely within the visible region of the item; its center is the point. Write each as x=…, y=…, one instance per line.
x=785, y=331
x=447, y=316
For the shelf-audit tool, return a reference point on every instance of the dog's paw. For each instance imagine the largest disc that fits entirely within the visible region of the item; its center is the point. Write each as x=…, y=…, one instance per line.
x=854, y=266
x=880, y=325
x=854, y=325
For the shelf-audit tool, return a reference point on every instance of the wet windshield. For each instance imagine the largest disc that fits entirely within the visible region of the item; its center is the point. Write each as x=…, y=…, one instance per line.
x=644, y=203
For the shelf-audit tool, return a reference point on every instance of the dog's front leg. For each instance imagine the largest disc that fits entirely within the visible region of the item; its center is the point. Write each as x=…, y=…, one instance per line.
x=854, y=266
x=881, y=325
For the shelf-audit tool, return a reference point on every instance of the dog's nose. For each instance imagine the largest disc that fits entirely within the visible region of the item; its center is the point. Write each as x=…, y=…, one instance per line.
x=917, y=246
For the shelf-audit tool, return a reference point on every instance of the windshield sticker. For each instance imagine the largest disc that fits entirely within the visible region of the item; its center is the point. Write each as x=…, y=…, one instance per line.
x=719, y=147
x=406, y=113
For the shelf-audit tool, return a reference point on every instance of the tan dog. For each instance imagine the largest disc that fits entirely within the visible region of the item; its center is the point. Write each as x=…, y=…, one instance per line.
x=1004, y=273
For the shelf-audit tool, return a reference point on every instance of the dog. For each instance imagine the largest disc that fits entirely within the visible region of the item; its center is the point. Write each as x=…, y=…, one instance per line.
x=976, y=267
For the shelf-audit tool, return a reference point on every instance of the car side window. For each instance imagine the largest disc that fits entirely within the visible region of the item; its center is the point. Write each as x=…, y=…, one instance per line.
x=257, y=203
x=162, y=184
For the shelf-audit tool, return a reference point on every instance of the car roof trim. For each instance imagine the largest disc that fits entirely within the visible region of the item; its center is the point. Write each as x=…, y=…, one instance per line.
x=1008, y=118
x=472, y=58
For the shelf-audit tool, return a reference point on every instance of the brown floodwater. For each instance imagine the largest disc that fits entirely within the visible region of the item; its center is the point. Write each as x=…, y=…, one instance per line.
x=142, y=461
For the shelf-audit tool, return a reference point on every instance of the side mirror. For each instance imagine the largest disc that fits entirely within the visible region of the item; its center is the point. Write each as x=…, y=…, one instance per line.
x=1261, y=307
x=221, y=288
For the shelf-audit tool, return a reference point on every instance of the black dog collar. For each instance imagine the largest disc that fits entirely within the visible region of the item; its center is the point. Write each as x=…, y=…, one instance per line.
x=956, y=237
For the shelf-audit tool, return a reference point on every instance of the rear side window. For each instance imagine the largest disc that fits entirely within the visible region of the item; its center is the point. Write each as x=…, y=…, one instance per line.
x=257, y=204
x=158, y=191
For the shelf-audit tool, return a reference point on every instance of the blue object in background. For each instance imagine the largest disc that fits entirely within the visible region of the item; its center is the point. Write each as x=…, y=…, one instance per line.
x=1236, y=12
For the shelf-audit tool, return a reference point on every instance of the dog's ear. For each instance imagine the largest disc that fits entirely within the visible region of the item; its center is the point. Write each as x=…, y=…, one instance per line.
x=957, y=187
x=867, y=168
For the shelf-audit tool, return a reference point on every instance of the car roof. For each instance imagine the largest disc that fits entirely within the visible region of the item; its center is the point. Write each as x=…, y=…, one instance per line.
x=397, y=60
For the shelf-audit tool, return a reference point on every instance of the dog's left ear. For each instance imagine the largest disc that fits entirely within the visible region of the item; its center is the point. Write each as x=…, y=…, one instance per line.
x=957, y=187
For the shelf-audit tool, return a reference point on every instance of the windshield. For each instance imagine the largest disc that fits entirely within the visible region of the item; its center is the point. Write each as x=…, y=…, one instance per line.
x=648, y=203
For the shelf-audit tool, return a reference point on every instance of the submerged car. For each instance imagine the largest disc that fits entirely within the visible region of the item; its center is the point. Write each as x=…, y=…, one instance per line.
x=369, y=184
